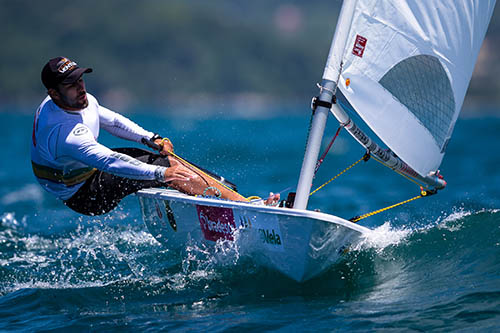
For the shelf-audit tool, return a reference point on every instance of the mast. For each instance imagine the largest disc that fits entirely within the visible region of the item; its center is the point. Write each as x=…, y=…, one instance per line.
x=321, y=113
x=340, y=62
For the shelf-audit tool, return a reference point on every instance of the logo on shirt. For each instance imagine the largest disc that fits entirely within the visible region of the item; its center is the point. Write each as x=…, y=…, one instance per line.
x=80, y=131
x=126, y=158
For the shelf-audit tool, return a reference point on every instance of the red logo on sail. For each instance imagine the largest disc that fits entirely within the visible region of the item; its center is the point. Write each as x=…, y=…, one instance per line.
x=216, y=222
x=359, y=46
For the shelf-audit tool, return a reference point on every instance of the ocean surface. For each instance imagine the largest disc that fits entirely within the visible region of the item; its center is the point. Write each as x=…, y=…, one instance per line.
x=430, y=265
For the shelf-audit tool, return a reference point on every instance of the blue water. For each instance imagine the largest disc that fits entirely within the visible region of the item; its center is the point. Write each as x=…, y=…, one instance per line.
x=432, y=264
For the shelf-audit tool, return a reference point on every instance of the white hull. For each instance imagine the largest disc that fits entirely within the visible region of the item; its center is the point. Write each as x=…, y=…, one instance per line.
x=300, y=244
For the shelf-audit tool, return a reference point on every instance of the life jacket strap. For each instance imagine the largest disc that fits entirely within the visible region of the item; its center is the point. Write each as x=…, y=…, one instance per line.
x=54, y=175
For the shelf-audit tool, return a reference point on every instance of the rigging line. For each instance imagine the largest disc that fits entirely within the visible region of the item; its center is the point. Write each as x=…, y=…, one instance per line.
x=360, y=217
x=320, y=161
x=338, y=77
x=365, y=158
x=321, y=88
x=309, y=129
x=423, y=193
x=255, y=198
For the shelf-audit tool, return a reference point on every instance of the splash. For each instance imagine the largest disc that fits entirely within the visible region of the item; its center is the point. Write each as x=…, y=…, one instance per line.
x=202, y=261
x=9, y=220
x=88, y=257
x=382, y=237
x=388, y=235
x=455, y=221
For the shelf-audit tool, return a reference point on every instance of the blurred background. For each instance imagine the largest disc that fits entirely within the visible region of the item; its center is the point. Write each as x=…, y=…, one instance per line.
x=238, y=58
x=230, y=82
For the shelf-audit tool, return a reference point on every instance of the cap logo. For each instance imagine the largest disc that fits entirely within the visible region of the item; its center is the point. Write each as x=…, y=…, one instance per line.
x=65, y=65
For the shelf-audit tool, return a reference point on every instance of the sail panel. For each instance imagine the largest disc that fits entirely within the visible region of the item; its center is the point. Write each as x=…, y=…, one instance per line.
x=421, y=84
x=395, y=124
x=417, y=58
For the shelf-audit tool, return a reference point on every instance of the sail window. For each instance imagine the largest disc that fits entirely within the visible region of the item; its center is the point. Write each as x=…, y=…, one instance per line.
x=421, y=84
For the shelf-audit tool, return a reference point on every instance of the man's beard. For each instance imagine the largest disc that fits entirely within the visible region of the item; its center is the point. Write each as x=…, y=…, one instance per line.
x=77, y=103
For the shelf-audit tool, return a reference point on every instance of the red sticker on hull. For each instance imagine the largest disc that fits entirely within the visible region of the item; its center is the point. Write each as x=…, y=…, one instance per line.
x=359, y=46
x=216, y=222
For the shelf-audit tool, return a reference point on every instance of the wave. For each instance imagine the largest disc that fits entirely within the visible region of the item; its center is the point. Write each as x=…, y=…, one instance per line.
x=460, y=251
x=86, y=257
x=461, y=228
x=447, y=270
x=464, y=244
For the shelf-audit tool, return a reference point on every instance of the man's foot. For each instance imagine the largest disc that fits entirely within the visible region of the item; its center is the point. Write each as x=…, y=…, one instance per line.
x=272, y=200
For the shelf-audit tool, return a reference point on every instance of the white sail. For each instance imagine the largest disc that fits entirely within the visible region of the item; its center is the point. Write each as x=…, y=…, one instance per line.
x=406, y=67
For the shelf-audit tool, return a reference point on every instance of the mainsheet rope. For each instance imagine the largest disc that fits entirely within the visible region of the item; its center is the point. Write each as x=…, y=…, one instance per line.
x=204, y=173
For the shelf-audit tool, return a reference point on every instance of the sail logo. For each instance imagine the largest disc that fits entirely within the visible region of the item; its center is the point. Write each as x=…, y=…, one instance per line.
x=359, y=46
x=216, y=222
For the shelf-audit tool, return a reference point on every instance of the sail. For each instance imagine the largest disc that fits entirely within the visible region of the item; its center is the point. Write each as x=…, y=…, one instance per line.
x=406, y=66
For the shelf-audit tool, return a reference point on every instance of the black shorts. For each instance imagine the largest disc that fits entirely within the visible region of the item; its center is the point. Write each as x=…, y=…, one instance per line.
x=102, y=192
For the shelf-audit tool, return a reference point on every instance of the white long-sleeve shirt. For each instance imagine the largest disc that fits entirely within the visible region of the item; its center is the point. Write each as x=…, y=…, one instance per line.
x=65, y=151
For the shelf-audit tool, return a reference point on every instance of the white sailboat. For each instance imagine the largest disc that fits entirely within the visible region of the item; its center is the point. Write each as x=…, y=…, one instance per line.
x=404, y=67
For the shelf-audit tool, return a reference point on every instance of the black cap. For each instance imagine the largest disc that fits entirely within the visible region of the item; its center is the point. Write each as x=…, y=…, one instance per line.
x=61, y=70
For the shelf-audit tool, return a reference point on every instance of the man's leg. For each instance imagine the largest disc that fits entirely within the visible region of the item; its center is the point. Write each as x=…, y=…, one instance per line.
x=202, y=184
x=199, y=184
x=103, y=191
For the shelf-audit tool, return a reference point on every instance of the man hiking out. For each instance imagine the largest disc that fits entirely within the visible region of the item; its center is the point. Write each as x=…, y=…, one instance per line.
x=88, y=177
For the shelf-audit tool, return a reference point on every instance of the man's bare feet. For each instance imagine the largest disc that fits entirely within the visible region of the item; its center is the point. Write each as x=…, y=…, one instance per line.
x=272, y=200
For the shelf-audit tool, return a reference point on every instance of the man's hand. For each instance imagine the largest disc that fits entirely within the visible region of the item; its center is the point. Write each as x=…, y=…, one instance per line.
x=177, y=171
x=166, y=146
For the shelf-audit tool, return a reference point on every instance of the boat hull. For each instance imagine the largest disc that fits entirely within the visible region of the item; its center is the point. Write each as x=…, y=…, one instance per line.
x=298, y=243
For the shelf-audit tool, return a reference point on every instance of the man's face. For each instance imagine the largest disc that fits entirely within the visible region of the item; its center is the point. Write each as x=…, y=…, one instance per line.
x=72, y=96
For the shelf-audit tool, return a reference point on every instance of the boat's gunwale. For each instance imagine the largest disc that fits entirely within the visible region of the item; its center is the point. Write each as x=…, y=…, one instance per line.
x=160, y=193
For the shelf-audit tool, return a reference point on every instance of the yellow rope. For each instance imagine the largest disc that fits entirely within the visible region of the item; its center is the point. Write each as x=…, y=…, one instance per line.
x=343, y=171
x=423, y=193
x=358, y=218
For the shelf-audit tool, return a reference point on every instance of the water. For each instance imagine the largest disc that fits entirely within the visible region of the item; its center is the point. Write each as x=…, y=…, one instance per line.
x=430, y=265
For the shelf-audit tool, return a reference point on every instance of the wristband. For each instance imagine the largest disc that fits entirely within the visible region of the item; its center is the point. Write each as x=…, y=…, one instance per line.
x=160, y=174
x=155, y=137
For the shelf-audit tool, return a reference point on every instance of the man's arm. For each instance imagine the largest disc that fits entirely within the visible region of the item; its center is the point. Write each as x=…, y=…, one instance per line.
x=122, y=127
x=79, y=143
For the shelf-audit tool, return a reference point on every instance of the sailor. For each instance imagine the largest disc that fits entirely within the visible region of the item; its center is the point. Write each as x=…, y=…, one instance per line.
x=87, y=176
